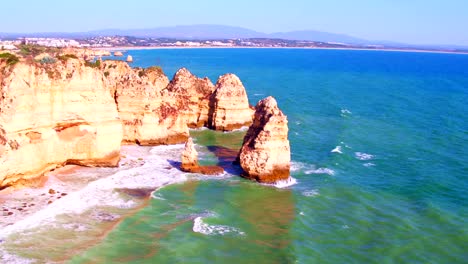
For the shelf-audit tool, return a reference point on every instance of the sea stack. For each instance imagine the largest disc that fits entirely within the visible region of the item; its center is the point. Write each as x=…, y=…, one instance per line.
x=229, y=105
x=189, y=157
x=190, y=161
x=129, y=58
x=118, y=54
x=265, y=154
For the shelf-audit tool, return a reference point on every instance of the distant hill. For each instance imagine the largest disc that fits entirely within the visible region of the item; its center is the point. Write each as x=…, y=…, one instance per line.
x=312, y=35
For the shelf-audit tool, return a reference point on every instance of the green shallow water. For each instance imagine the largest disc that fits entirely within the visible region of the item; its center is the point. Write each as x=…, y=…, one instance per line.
x=397, y=192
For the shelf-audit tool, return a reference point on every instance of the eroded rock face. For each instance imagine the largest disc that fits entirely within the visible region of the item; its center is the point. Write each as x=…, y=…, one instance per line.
x=190, y=95
x=189, y=157
x=229, y=105
x=147, y=117
x=265, y=154
x=52, y=115
x=190, y=161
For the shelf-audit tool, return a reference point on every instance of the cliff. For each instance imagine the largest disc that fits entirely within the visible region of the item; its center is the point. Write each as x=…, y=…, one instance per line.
x=265, y=154
x=229, y=105
x=191, y=96
x=52, y=115
x=58, y=109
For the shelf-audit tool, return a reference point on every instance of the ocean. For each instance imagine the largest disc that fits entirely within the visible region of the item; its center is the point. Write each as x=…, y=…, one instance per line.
x=379, y=144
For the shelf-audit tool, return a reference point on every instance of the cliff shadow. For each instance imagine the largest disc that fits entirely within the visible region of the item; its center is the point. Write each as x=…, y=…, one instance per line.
x=174, y=164
x=226, y=158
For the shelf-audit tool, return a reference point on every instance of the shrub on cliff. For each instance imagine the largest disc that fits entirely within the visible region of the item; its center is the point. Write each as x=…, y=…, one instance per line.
x=47, y=60
x=95, y=64
x=65, y=57
x=10, y=59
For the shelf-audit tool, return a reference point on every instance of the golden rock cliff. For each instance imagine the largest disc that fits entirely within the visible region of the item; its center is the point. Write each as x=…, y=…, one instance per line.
x=52, y=115
x=265, y=154
x=229, y=105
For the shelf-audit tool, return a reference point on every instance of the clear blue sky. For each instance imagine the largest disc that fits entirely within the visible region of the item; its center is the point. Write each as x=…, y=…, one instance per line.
x=409, y=21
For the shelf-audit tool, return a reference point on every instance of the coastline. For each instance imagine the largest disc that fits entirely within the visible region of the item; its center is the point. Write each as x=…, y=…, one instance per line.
x=84, y=202
x=127, y=48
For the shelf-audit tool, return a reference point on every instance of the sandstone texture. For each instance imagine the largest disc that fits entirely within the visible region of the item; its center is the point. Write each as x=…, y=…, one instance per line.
x=265, y=154
x=189, y=157
x=147, y=117
x=191, y=96
x=229, y=105
x=52, y=115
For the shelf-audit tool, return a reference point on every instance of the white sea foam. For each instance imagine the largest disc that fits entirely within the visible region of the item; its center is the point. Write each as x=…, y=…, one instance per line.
x=363, y=156
x=369, y=164
x=345, y=112
x=203, y=228
x=297, y=166
x=242, y=129
x=321, y=171
x=337, y=149
x=311, y=193
x=101, y=193
x=286, y=183
x=301, y=213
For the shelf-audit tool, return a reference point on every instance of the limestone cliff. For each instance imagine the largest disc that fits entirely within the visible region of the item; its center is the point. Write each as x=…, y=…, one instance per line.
x=52, y=115
x=59, y=109
x=265, y=154
x=191, y=96
x=147, y=117
x=229, y=105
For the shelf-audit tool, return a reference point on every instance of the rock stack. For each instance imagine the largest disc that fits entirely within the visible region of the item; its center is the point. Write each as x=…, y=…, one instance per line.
x=190, y=161
x=229, y=105
x=265, y=154
x=129, y=58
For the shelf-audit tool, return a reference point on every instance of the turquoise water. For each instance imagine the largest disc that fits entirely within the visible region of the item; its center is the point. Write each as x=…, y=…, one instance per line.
x=397, y=192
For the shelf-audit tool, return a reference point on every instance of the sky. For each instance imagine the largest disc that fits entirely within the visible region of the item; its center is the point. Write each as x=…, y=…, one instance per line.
x=405, y=21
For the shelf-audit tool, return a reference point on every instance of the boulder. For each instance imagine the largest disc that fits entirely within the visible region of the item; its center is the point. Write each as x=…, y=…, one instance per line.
x=129, y=58
x=265, y=153
x=229, y=105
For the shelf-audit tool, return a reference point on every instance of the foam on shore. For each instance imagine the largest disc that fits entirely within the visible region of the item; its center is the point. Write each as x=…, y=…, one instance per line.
x=156, y=171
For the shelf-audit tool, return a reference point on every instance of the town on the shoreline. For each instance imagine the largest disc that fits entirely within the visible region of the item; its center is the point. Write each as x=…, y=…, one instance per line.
x=103, y=42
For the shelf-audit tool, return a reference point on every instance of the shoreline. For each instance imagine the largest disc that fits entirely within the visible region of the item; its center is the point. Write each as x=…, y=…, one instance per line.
x=127, y=48
x=107, y=196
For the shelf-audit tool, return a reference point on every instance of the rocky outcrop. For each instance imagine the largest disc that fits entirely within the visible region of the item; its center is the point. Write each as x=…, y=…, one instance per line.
x=265, y=154
x=52, y=115
x=189, y=157
x=229, y=105
x=129, y=58
x=70, y=111
x=190, y=95
x=190, y=161
x=118, y=54
x=147, y=117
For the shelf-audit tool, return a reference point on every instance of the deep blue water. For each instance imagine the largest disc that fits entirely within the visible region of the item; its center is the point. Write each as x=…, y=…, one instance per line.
x=397, y=193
